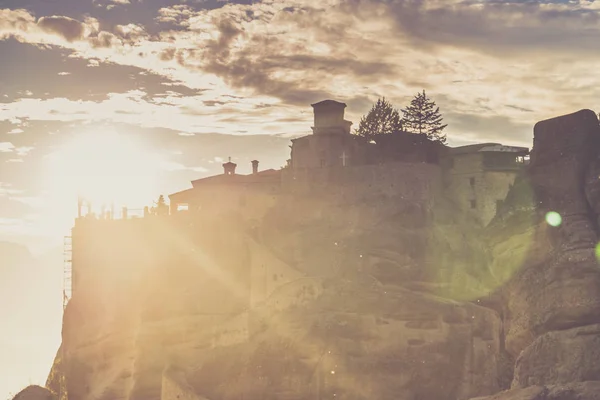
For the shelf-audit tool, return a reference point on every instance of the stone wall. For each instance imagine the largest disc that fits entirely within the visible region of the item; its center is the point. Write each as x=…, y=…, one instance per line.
x=250, y=200
x=410, y=181
x=476, y=190
x=479, y=193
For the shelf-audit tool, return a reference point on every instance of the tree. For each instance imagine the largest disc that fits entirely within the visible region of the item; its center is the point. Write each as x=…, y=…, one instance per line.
x=161, y=207
x=424, y=118
x=383, y=119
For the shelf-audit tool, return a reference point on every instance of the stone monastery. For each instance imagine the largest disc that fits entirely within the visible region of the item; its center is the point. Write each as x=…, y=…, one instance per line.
x=331, y=159
x=110, y=261
x=213, y=254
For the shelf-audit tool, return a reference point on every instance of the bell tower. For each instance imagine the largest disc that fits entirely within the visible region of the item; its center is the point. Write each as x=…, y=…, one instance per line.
x=329, y=118
x=229, y=167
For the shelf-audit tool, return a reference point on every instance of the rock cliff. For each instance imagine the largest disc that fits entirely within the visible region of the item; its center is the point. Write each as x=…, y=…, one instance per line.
x=35, y=393
x=388, y=299
x=552, y=298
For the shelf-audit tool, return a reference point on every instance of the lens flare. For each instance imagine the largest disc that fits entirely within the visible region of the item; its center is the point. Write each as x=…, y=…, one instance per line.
x=553, y=219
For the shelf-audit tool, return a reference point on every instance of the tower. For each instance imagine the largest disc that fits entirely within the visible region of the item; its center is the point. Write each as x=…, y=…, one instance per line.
x=331, y=144
x=229, y=167
x=329, y=118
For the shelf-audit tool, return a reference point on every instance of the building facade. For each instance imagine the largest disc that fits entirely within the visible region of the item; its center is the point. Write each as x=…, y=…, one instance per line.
x=479, y=176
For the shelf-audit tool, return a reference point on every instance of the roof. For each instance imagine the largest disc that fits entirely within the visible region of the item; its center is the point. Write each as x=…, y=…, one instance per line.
x=328, y=103
x=181, y=193
x=487, y=147
x=237, y=178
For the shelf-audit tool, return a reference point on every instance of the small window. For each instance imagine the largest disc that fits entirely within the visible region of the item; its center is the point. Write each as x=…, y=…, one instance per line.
x=472, y=182
x=473, y=204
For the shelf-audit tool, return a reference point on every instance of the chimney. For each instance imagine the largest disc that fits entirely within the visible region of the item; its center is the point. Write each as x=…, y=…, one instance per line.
x=254, y=167
x=229, y=167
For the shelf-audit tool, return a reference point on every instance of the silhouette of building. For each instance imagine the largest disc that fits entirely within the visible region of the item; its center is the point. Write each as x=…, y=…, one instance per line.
x=229, y=190
x=326, y=165
x=331, y=143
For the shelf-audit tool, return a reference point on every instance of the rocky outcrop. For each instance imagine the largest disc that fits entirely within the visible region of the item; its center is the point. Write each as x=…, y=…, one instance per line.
x=553, y=292
x=559, y=284
x=360, y=340
x=353, y=333
x=35, y=393
x=352, y=301
x=571, y=391
x=560, y=357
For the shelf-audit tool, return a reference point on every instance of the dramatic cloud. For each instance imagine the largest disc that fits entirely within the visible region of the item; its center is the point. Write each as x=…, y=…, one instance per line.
x=66, y=27
x=355, y=50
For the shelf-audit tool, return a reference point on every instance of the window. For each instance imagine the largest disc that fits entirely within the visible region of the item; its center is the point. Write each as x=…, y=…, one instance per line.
x=472, y=182
x=473, y=204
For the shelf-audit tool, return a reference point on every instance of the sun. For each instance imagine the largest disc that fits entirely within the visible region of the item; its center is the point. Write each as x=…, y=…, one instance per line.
x=105, y=168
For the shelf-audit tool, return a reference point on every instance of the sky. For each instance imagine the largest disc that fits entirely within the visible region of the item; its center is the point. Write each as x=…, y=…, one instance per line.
x=98, y=94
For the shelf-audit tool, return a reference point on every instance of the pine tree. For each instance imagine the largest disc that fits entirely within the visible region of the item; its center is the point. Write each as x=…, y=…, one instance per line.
x=383, y=119
x=423, y=117
x=161, y=207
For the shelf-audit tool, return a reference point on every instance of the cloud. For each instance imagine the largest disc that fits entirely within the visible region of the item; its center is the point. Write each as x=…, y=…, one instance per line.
x=489, y=58
x=6, y=189
x=131, y=32
x=177, y=15
x=66, y=27
x=24, y=150
x=509, y=27
x=175, y=166
x=6, y=147
x=15, y=21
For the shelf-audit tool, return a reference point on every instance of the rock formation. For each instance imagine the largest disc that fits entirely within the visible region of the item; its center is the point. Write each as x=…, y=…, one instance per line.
x=553, y=299
x=35, y=393
x=386, y=300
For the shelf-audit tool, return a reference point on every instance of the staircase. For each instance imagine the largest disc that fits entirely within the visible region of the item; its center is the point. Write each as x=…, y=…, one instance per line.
x=67, y=270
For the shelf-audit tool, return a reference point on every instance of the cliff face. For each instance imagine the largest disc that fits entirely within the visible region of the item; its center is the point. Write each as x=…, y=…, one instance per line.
x=345, y=299
x=553, y=290
x=353, y=299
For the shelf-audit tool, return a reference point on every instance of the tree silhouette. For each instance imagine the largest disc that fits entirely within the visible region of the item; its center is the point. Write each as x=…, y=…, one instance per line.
x=161, y=207
x=423, y=117
x=383, y=119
